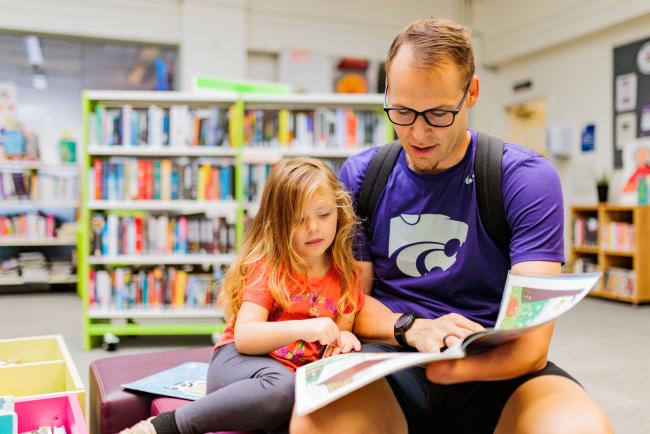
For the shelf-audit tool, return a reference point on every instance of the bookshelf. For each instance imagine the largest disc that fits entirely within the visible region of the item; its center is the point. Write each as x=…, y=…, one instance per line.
x=332, y=127
x=612, y=239
x=40, y=203
x=114, y=144
x=158, y=213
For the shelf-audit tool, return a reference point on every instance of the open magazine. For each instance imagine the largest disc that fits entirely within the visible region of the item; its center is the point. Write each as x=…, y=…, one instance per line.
x=186, y=381
x=528, y=302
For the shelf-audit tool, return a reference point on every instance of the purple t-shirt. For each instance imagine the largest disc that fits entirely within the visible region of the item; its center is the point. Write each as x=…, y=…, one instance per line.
x=430, y=250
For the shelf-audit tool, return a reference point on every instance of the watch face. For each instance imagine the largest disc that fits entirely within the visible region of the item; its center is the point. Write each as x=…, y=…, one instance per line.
x=403, y=320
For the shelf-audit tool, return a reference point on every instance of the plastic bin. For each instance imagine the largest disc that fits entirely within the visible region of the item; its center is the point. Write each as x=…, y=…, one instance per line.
x=55, y=410
x=41, y=366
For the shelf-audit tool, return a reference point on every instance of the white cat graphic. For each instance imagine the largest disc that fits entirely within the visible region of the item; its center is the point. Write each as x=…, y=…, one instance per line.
x=425, y=242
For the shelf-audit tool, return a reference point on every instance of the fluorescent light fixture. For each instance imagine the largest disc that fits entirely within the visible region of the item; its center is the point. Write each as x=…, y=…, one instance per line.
x=34, y=52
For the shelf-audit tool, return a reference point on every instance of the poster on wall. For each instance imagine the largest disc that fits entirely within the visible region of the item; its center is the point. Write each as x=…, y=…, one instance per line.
x=644, y=125
x=626, y=86
x=625, y=129
x=631, y=94
x=636, y=164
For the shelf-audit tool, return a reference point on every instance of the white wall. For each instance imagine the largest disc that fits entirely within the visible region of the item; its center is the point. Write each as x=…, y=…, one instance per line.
x=214, y=36
x=576, y=79
x=362, y=28
x=513, y=28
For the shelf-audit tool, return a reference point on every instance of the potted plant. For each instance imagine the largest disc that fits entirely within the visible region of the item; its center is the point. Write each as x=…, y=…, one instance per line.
x=602, y=183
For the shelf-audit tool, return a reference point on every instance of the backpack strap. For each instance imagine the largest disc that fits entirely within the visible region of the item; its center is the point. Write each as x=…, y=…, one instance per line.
x=487, y=174
x=375, y=181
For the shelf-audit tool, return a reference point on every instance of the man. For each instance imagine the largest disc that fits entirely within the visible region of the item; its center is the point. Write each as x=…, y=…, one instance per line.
x=431, y=257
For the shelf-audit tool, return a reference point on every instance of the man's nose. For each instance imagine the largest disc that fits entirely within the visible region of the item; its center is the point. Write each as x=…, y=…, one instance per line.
x=420, y=129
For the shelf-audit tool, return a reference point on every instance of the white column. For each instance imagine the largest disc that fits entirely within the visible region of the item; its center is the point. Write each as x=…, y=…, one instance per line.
x=213, y=40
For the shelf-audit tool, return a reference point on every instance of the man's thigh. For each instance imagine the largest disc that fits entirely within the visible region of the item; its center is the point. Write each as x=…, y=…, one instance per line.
x=477, y=407
x=552, y=404
x=465, y=408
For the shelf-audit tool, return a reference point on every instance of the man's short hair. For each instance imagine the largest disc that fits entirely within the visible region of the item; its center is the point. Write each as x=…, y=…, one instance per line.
x=434, y=41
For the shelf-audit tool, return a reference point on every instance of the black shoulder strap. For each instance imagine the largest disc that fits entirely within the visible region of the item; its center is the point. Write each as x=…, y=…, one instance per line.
x=487, y=174
x=375, y=180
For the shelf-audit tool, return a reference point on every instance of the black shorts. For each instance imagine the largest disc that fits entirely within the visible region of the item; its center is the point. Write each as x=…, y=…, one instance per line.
x=471, y=408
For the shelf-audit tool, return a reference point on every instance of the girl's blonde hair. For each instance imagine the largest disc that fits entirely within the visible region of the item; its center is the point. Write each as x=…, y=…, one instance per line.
x=292, y=184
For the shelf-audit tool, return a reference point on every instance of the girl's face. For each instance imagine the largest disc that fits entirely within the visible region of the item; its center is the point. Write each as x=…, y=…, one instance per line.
x=316, y=229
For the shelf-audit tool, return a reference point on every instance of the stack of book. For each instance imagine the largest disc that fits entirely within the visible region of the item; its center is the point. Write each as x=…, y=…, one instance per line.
x=320, y=128
x=160, y=287
x=145, y=234
x=162, y=179
x=29, y=185
x=28, y=225
x=585, y=232
x=618, y=236
x=9, y=270
x=33, y=267
x=176, y=126
x=620, y=281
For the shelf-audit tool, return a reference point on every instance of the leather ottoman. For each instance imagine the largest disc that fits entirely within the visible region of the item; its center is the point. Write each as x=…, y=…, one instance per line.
x=113, y=408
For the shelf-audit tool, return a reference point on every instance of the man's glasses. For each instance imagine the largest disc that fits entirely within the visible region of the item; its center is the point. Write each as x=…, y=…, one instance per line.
x=434, y=117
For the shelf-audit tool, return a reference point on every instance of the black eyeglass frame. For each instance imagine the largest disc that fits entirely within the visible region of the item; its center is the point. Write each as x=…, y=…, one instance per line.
x=454, y=112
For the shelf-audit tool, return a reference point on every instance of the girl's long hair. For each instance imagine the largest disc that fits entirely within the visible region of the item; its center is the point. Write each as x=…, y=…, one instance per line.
x=292, y=184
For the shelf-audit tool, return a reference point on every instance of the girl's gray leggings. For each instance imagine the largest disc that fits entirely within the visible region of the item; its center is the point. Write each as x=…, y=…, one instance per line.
x=244, y=393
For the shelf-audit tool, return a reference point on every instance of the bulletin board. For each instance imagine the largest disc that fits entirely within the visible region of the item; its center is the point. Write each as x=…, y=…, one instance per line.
x=631, y=83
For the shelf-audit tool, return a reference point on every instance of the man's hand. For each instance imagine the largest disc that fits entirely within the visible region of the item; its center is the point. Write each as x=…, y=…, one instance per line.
x=427, y=335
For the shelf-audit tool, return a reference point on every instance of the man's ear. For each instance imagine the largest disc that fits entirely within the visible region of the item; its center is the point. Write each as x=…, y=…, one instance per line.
x=474, y=88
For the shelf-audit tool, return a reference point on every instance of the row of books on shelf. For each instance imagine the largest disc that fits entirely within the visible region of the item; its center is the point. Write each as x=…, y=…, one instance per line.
x=620, y=281
x=113, y=235
x=585, y=265
x=162, y=179
x=159, y=287
x=34, y=225
x=35, y=267
x=175, y=126
x=585, y=232
x=319, y=128
x=618, y=236
x=29, y=185
x=254, y=177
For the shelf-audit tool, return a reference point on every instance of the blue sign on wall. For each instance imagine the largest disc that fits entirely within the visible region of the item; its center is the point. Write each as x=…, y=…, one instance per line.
x=588, y=138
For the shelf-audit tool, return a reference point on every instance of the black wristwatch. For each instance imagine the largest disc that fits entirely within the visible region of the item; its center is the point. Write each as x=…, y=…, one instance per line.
x=403, y=323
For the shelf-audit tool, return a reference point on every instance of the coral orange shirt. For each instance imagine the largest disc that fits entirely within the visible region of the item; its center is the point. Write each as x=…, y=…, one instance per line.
x=317, y=300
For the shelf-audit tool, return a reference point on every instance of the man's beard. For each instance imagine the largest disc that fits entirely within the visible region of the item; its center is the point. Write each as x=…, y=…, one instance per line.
x=430, y=169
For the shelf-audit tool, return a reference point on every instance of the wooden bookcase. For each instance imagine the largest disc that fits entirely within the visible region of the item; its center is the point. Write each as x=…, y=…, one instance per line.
x=635, y=258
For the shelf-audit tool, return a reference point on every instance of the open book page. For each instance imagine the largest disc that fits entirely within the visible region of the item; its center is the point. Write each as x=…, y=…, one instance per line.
x=327, y=380
x=527, y=303
x=186, y=381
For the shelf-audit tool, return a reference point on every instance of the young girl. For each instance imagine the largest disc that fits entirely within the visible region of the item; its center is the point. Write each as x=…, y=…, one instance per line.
x=292, y=291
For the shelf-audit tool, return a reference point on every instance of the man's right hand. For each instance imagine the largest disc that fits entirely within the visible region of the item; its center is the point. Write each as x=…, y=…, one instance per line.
x=426, y=335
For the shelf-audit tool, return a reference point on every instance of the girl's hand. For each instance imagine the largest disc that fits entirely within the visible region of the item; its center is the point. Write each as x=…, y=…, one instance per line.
x=323, y=329
x=347, y=342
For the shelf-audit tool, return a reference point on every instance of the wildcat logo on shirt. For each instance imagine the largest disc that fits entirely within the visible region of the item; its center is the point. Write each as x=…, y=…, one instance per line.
x=425, y=242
